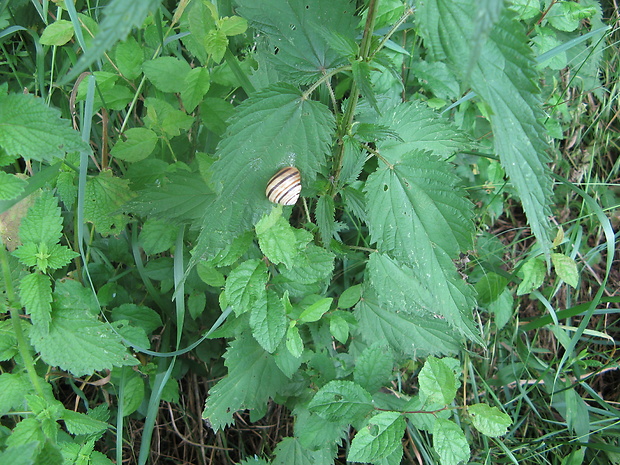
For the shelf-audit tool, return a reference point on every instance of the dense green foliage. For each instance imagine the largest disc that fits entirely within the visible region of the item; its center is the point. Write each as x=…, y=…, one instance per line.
x=140, y=249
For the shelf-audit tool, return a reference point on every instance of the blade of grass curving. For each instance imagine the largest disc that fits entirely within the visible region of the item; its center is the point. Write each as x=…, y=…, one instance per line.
x=135, y=250
x=162, y=378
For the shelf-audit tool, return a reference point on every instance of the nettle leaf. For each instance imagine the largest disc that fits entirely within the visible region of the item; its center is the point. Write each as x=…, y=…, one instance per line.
x=245, y=285
x=416, y=212
x=343, y=401
x=504, y=76
x=277, y=239
x=450, y=443
x=419, y=129
x=412, y=335
x=312, y=265
x=10, y=186
x=35, y=293
x=178, y=197
x=105, y=194
x=31, y=129
x=268, y=321
x=430, y=288
x=76, y=341
x=300, y=32
x=373, y=368
x=325, y=218
x=43, y=223
x=253, y=377
x=489, y=420
x=273, y=129
x=438, y=382
x=290, y=451
x=380, y=438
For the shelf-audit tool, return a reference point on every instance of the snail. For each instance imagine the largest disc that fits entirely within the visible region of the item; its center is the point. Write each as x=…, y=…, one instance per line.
x=284, y=187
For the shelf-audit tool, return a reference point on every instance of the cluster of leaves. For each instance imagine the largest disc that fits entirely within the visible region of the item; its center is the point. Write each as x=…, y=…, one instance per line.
x=325, y=304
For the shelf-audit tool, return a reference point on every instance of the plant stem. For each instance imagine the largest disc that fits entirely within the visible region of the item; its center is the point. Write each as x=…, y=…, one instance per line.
x=22, y=345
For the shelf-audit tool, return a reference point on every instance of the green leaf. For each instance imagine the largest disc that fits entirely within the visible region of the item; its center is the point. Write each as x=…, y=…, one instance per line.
x=489, y=420
x=566, y=16
x=373, y=369
x=30, y=129
x=14, y=387
x=339, y=328
x=300, y=32
x=76, y=340
x=10, y=186
x=566, y=268
x=248, y=157
x=419, y=129
x=164, y=119
x=294, y=344
x=252, y=379
x=216, y=43
x=424, y=289
x=139, y=316
x=361, y=76
x=105, y=194
x=437, y=381
x=290, y=451
x=502, y=73
x=311, y=265
x=57, y=33
x=119, y=18
x=450, y=443
x=245, y=285
x=268, y=321
x=350, y=296
x=196, y=85
x=35, y=293
x=210, y=275
x=166, y=73
x=416, y=212
x=43, y=223
x=129, y=58
x=277, y=239
x=325, y=219
x=139, y=144
x=502, y=308
x=490, y=287
x=533, y=272
x=405, y=333
x=79, y=423
x=214, y=113
x=380, y=438
x=176, y=197
x=157, y=236
x=315, y=311
x=341, y=401
x=232, y=26
x=133, y=394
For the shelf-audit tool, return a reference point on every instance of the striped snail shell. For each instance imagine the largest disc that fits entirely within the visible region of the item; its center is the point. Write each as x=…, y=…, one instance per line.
x=284, y=187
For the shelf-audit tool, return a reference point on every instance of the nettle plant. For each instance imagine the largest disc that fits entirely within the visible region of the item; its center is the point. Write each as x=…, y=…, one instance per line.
x=332, y=301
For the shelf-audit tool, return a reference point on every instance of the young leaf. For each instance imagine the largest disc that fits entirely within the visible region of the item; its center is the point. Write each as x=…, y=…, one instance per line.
x=350, y=296
x=300, y=31
x=268, y=321
x=273, y=129
x=35, y=294
x=533, y=272
x=245, y=285
x=315, y=311
x=197, y=84
x=57, y=33
x=129, y=58
x=339, y=328
x=437, y=381
x=489, y=420
x=450, y=443
x=252, y=379
x=276, y=239
x=380, y=438
x=166, y=73
x=139, y=144
x=342, y=401
x=294, y=343
x=35, y=131
x=311, y=265
x=508, y=88
x=566, y=268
